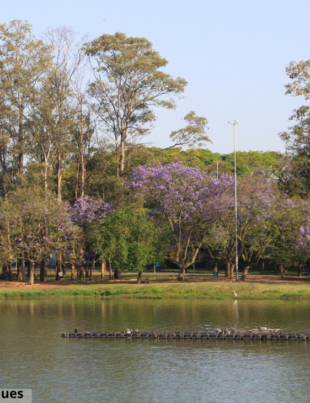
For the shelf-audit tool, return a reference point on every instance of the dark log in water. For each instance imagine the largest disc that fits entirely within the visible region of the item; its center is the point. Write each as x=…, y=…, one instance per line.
x=253, y=334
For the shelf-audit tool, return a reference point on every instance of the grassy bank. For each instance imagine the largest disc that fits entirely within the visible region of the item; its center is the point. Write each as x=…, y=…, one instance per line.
x=213, y=290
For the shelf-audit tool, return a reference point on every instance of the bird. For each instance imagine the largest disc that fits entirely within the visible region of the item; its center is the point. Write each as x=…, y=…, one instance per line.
x=235, y=294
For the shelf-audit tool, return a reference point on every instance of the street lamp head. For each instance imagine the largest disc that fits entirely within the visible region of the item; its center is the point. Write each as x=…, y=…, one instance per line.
x=236, y=122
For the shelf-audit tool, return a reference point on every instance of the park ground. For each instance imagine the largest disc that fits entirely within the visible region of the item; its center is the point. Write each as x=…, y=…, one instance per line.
x=162, y=285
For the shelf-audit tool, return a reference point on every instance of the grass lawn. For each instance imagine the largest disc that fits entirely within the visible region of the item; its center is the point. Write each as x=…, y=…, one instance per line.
x=162, y=285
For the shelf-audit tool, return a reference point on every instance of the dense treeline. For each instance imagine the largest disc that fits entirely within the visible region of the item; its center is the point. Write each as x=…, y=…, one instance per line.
x=78, y=183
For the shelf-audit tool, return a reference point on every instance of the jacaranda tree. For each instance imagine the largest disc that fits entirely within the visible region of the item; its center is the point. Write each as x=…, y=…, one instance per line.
x=185, y=198
x=87, y=214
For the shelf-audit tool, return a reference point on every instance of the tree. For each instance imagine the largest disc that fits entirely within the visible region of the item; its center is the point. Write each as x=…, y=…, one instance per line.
x=23, y=61
x=41, y=146
x=84, y=130
x=87, y=214
x=128, y=82
x=68, y=58
x=297, y=138
x=193, y=134
x=257, y=206
x=290, y=244
x=35, y=226
x=128, y=240
x=186, y=199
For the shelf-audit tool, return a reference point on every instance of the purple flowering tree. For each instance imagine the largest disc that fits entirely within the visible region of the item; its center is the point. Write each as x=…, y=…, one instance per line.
x=87, y=213
x=185, y=198
x=257, y=204
x=291, y=235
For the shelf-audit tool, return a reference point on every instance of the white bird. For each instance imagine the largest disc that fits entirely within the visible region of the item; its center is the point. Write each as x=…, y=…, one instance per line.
x=235, y=294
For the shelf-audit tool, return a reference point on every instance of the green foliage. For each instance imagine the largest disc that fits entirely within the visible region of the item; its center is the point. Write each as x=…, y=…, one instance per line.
x=128, y=82
x=192, y=134
x=127, y=239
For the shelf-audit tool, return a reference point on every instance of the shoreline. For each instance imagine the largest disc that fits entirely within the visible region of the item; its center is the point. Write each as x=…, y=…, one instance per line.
x=158, y=290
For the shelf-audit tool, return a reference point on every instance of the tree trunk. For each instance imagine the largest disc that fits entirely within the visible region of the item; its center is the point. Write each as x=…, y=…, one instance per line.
x=139, y=277
x=103, y=267
x=300, y=266
x=23, y=268
x=5, y=272
x=78, y=271
x=72, y=271
x=93, y=265
x=122, y=157
x=43, y=271
x=87, y=269
x=227, y=271
x=118, y=275
x=110, y=271
x=28, y=269
x=181, y=273
x=59, y=176
x=81, y=149
x=231, y=272
x=282, y=270
x=10, y=274
x=20, y=269
x=58, y=265
x=82, y=275
x=31, y=273
x=275, y=269
x=20, y=142
x=245, y=272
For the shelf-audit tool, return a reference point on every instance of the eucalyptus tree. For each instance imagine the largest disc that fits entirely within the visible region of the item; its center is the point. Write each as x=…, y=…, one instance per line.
x=84, y=128
x=41, y=127
x=23, y=62
x=297, y=138
x=128, y=83
x=68, y=58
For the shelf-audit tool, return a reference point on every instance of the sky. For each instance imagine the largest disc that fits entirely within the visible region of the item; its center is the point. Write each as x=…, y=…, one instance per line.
x=232, y=53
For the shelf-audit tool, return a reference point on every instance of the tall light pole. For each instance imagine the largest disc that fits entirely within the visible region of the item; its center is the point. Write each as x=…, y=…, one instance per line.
x=234, y=123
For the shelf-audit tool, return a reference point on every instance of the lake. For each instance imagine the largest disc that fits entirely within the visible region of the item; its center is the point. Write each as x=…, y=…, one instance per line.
x=34, y=356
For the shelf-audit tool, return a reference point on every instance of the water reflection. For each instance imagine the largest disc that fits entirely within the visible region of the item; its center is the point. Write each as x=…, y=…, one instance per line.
x=62, y=370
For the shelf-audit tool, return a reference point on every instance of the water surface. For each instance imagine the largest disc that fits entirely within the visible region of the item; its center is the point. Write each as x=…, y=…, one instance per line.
x=34, y=356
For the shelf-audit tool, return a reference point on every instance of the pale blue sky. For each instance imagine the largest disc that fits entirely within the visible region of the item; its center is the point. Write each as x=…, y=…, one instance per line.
x=232, y=53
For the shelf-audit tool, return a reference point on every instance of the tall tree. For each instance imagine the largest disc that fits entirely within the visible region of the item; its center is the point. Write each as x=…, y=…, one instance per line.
x=297, y=138
x=128, y=83
x=68, y=58
x=83, y=130
x=42, y=126
x=23, y=61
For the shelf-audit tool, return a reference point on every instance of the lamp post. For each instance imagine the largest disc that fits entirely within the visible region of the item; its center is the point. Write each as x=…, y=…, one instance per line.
x=234, y=123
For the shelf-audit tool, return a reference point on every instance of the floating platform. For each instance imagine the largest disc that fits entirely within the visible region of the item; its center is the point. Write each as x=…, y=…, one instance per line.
x=255, y=334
